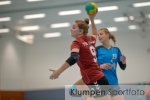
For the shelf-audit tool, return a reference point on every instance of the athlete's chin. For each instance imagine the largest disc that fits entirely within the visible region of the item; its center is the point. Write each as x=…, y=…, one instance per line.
x=73, y=36
x=101, y=40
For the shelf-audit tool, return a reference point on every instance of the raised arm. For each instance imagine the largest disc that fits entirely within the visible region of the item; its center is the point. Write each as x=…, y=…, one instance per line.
x=94, y=30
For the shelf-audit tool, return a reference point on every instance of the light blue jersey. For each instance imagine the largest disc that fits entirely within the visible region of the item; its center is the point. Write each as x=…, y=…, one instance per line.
x=109, y=56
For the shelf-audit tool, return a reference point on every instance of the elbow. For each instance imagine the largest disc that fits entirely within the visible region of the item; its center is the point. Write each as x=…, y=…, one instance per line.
x=123, y=67
x=72, y=59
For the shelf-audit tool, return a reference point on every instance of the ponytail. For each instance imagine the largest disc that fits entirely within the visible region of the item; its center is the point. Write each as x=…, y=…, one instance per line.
x=112, y=37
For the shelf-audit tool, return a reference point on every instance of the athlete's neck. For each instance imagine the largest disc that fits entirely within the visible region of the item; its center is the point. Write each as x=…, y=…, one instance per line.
x=79, y=36
x=107, y=44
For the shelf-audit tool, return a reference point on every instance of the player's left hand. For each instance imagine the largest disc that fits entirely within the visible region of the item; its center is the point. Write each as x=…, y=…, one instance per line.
x=123, y=59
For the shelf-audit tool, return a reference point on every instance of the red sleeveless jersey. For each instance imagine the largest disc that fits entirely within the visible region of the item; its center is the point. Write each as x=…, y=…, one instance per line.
x=87, y=59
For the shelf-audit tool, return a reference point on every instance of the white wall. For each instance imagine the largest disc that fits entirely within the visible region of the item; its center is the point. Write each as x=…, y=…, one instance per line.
x=0, y=62
x=43, y=55
x=11, y=65
x=24, y=66
x=134, y=46
x=51, y=53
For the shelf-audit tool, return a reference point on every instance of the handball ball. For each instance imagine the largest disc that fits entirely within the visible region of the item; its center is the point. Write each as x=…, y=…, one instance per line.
x=91, y=8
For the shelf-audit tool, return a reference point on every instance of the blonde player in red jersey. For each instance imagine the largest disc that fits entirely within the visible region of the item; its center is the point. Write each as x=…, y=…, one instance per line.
x=83, y=52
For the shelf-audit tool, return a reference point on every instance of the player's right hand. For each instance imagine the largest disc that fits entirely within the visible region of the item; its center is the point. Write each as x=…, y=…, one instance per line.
x=105, y=66
x=92, y=16
x=54, y=74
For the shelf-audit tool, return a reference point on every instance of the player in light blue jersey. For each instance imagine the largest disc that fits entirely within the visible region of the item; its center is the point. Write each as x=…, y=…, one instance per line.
x=108, y=56
x=108, y=59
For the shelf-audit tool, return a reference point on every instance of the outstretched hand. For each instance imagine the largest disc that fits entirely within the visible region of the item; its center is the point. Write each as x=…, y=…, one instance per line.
x=54, y=74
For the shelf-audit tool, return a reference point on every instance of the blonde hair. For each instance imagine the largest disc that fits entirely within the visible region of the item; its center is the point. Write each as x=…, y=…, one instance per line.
x=83, y=25
x=111, y=36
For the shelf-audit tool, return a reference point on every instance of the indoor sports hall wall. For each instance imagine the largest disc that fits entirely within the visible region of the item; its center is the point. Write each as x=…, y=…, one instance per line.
x=28, y=66
x=11, y=64
x=24, y=68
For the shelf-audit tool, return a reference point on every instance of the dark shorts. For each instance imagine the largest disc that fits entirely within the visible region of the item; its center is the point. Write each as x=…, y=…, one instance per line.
x=101, y=81
x=100, y=87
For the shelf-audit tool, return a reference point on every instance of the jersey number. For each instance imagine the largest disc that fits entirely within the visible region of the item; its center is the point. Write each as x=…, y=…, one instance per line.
x=92, y=49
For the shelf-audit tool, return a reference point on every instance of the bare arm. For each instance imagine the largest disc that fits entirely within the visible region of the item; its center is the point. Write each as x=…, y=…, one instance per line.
x=57, y=72
x=70, y=61
x=94, y=30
